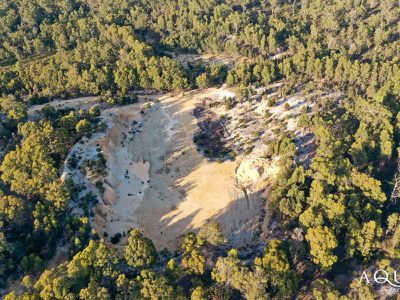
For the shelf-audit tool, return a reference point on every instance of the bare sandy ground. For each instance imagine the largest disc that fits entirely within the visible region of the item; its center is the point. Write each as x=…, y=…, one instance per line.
x=158, y=182
x=76, y=103
x=215, y=59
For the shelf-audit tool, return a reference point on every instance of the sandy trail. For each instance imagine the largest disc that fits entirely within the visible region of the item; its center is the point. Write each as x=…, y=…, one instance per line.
x=208, y=59
x=76, y=103
x=158, y=182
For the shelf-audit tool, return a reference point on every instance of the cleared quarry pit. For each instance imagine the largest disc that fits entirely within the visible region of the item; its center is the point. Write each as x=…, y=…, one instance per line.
x=158, y=182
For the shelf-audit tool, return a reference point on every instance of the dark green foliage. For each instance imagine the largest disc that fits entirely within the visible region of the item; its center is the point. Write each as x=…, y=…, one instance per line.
x=100, y=186
x=282, y=146
x=32, y=264
x=213, y=75
x=139, y=251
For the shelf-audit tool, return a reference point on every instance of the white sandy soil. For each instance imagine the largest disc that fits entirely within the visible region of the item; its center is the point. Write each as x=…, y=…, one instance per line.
x=159, y=182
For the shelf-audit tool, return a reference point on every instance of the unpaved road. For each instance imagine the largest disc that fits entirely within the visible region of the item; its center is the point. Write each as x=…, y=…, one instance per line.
x=76, y=103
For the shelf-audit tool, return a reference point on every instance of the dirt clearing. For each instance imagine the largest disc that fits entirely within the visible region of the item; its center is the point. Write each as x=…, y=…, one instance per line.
x=159, y=182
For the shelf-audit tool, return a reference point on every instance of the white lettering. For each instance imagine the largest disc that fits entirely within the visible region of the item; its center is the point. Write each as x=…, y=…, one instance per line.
x=365, y=276
x=395, y=277
x=381, y=279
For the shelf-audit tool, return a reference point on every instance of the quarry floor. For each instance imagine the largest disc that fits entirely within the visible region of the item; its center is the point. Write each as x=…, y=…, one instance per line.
x=157, y=180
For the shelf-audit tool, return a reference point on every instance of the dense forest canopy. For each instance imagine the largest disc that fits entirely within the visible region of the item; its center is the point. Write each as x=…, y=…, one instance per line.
x=340, y=204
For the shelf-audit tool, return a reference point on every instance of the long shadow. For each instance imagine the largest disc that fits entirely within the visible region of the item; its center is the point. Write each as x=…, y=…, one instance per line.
x=244, y=223
x=244, y=219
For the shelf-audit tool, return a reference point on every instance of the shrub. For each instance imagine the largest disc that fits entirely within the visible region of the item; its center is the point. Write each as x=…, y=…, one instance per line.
x=286, y=106
x=267, y=114
x=73, y=162
x=255, y=134
x=100, y=187
x=272, y=101
x=228, y=103
x=304, y=121
x=116, y=238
